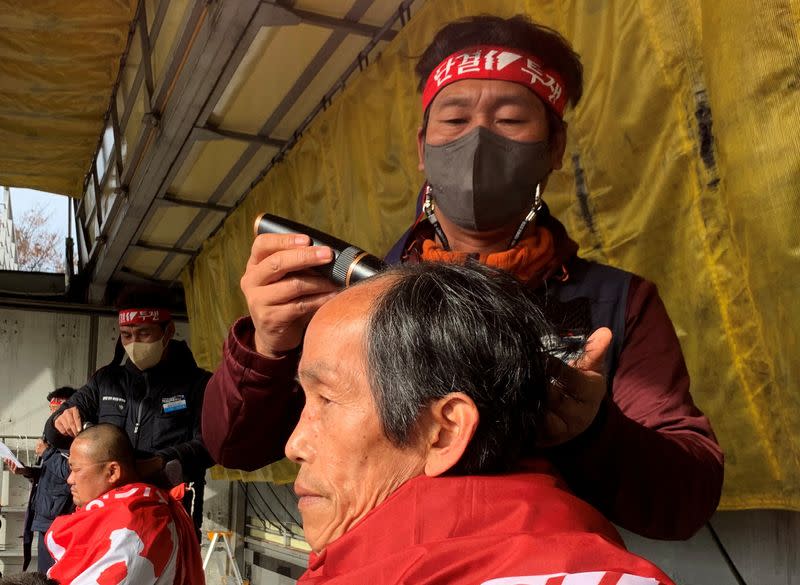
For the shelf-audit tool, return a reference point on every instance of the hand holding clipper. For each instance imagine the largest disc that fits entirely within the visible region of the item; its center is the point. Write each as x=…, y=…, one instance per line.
x=350, y=263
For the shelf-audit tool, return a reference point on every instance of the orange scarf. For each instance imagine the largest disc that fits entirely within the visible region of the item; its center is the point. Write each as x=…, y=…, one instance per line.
x=534, y=258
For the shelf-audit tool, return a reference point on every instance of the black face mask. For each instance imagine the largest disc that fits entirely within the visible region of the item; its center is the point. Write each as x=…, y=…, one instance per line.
x=483, y=181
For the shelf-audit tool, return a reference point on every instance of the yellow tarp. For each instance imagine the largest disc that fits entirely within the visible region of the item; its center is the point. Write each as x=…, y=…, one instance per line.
x=713, y=226
x=58, y=64
x=284, y=471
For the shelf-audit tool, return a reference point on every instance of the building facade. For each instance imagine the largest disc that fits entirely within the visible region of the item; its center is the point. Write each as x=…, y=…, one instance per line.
x=8, y=245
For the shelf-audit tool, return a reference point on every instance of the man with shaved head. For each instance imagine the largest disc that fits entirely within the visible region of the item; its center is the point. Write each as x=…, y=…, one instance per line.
x=124, y=531
x=101, y=460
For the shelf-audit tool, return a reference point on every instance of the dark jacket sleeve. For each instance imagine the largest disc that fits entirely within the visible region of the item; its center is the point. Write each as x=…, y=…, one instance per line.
x=650, y=460
x=192, y=454
x=252, y=403
x=32, y=473
x=87, y=400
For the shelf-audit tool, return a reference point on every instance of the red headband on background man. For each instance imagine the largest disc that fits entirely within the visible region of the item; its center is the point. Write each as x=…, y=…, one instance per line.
x=143, y=316
x=493, y=62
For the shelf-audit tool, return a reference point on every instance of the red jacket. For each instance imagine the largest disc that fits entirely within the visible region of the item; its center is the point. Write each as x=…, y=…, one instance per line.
x=133, y=534
x=482, y=530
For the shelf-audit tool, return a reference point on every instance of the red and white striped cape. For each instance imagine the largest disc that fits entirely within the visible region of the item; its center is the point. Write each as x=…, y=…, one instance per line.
x=136, y=534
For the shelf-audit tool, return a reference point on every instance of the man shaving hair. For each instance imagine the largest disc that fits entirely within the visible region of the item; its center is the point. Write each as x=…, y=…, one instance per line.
x=145, y=332
x=627, y=435
x=156, y=396
x=489, y=179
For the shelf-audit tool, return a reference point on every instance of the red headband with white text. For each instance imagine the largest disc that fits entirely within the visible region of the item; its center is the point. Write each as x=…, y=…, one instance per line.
x=143, y=316
x=492, y=62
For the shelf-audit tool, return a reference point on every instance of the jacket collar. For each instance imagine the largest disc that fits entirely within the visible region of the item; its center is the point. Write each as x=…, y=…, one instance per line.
x=410, y=246
x=427, y=510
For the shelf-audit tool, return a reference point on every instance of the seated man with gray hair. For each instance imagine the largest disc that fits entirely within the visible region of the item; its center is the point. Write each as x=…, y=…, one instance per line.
x=422, y=387
x=123, y=531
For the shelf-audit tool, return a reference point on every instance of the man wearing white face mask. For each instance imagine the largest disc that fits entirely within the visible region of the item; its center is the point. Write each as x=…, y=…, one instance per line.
x=145, y=334
x=156, y=396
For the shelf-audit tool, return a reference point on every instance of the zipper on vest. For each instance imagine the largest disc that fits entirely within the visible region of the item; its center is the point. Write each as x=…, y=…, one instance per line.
x=139, y=411
x=136, y=426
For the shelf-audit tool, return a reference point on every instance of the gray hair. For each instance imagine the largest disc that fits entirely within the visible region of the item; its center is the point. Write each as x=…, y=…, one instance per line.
x=442, y=328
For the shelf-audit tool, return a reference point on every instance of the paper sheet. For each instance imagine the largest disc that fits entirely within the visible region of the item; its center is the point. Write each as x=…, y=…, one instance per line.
x=5, y=453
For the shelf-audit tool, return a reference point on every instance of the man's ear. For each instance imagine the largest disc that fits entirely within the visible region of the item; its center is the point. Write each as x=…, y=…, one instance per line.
x=420, y=149
x=453, y=421
x=113, y=473
x=558, y=144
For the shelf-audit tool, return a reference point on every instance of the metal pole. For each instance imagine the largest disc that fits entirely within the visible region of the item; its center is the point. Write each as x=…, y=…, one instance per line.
x=91, y=365
x=69, y=269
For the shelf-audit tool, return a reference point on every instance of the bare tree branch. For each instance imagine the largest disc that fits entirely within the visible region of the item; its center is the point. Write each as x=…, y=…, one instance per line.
x=38, y=248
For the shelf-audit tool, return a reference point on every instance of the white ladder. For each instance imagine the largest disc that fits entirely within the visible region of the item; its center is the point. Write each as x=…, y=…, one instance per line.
x=223, y=536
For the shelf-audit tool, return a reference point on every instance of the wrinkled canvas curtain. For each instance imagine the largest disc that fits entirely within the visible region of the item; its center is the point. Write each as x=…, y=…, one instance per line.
x=683, y=165
x=58, y=64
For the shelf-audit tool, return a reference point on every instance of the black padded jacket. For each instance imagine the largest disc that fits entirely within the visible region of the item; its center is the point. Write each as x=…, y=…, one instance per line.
x=159, y=408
